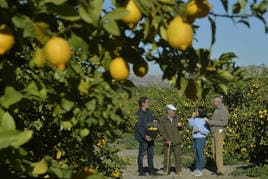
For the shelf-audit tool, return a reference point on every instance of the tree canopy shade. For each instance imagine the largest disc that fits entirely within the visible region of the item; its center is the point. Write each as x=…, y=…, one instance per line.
x=55, y=75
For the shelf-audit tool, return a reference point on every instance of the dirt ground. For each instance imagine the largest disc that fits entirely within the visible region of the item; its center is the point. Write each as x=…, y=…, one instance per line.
x=130, y=172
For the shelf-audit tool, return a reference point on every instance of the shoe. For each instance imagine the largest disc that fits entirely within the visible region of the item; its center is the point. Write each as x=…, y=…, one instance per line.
x=198, y=173
x=220, y=174
x=154, y=173
x=165, y=173
x=195, y=172
x=142, y=173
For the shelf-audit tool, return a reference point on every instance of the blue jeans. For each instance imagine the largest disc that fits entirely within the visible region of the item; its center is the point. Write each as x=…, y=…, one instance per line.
x=149, y=147
x=198, y=146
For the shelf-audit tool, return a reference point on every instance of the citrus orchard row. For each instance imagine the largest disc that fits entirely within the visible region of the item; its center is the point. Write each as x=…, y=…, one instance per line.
x=64, y=87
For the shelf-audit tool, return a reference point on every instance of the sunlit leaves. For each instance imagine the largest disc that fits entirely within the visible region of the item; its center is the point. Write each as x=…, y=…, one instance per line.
x=90, y=11
x=25, y=23
x=14, y=138
x=11, y=96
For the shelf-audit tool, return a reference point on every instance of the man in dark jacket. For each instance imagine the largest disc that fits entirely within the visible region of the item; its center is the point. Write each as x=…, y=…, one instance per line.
x=146, y=143
x=218, y=125
x=170, y=126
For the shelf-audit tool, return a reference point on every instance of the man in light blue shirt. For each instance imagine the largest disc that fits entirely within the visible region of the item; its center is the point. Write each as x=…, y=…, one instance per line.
x=199, y=131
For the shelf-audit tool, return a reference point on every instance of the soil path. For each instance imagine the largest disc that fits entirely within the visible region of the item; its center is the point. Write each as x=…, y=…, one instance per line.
x=130, y=172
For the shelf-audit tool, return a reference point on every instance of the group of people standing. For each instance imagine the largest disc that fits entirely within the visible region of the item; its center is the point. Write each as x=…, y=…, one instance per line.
x=169, y=127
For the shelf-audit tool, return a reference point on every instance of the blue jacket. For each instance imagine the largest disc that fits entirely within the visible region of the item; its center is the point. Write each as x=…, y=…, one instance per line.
x=199, y=123
x=141, y=125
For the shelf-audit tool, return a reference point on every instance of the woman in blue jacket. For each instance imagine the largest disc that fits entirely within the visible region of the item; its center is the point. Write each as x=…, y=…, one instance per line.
x=199, y=132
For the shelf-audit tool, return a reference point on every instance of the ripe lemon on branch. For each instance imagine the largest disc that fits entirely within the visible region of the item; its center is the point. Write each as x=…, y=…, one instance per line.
x=198, y=8
x=119, y=69
x=134, y=14
x=6, y=39
x=58, y=52
x=179, y=33
x=140, y=69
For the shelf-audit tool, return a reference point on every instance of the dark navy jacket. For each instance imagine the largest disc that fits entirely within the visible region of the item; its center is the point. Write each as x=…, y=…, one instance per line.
x=140, y=127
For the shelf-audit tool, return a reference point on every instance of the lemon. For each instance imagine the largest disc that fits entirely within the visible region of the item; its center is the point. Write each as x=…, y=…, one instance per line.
x=198, y=8
x=140, y=69
x=134, y=14
x=58, y=52
x=179, y=33
x=119, y=69
x=6, y=39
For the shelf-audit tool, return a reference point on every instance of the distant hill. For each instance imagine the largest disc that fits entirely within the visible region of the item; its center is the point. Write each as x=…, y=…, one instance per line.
x=148, y=80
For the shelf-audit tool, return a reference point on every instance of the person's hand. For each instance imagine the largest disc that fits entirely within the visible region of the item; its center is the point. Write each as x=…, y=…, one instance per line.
x=195, y=129
x=148, y=138
x=194, y=114
x=168, y=142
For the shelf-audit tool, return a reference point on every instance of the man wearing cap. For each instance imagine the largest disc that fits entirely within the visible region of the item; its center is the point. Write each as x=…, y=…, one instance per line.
x=170, y=126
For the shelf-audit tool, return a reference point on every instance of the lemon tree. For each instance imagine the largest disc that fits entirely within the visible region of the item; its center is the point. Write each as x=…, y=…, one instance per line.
x=80, y=108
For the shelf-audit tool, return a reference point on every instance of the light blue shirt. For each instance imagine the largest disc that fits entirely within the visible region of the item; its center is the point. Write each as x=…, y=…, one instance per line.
x=199, y=123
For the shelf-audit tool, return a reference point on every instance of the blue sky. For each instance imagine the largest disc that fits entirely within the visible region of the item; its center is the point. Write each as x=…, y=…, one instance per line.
x=249, y=44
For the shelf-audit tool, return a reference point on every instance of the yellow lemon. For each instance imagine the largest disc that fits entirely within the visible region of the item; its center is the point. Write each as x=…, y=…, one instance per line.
x=119, y=69
x=179, y=33
x=58, y=52
x=134, y=14
x=198, y=8
x=115, y=173
x=6, y=39
x=140, y=69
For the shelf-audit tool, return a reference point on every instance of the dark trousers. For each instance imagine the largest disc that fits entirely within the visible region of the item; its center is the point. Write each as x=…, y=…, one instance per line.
x=149, y=148
x=177, y=155
x=198, y=146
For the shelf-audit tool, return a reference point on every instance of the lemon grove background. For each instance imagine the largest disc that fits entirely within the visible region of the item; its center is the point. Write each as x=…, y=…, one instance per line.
x=61, y=118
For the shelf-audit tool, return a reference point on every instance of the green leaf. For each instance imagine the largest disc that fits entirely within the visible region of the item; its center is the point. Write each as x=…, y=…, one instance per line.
x=25, y=23
x=92, y=12
x=245, y=22
x=213, y=31
x=227, y=56
x=22, y=138
x=80, y=45
x=183, y=85
x=64, y=11
x=84, y=14
x=11, y=96
x=14, y=138
x=32, y=89
x=91, y=105
x=225, y=5
x=116, y=14
x=66, y=104
x=223, y=88
x=236, y=8
x=56, y=2
x=112, y=28
x=84, y=132
x=224, y=75
x=3, y=4
x=7, y=122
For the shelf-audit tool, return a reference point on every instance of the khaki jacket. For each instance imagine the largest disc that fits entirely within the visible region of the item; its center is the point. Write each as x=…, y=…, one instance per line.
x=219, y=119
x=169, y=130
